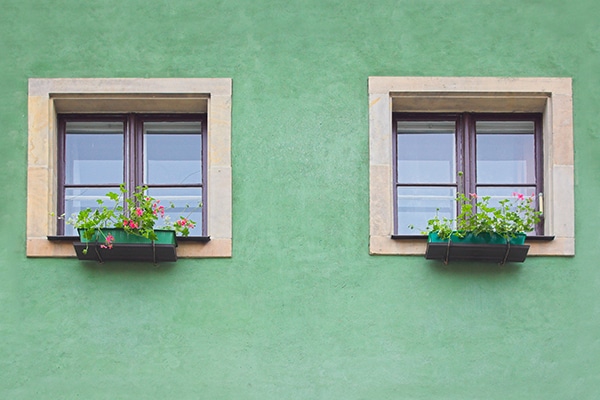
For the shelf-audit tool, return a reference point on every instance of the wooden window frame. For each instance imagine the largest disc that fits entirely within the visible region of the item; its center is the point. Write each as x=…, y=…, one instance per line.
x=133, y=145
x=465, y=148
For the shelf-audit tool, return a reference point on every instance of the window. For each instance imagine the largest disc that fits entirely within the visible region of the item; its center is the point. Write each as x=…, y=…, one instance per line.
x=165, y=153
x=136, y=117
x=469, y=118
x=439, y=155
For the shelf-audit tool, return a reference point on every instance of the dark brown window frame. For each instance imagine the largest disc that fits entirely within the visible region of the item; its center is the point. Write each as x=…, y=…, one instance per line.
x=132, y=157
x=465, y=147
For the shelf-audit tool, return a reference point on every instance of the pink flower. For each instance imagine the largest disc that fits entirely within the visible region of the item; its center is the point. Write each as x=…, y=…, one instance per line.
x=133, y=225
x=108, y=243
x=139, y=211
x=519, y=196
x=473, y=195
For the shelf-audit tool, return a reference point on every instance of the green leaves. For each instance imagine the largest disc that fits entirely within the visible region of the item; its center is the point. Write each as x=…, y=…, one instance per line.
x=113, y=196
x=137, y=214
x=512, y=217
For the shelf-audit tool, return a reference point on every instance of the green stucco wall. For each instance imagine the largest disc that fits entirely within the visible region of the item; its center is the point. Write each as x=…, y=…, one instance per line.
x=301, y=311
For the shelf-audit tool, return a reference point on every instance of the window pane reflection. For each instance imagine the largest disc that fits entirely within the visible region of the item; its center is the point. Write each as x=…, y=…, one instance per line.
x=426, y=152
x=180, y=198
x=81, y=198
x=500, y=193
x=173, y=152
x=93, y=152
x=417, y=205
x=505, y=152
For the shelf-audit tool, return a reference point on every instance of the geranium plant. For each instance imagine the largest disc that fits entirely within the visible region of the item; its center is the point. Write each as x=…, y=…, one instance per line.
x=512, y=217
x=139, y=214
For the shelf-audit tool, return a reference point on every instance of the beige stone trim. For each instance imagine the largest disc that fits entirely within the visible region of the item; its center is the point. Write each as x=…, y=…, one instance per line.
x=47, y=97
x=550, y=96
x=42, y=247
x=382, y=245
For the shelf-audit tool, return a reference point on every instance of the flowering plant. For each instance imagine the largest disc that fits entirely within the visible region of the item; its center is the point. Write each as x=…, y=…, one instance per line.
x=513, y=216
x=139, y=215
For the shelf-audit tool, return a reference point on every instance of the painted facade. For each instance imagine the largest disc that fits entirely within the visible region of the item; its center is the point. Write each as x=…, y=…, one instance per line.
x=300, y=310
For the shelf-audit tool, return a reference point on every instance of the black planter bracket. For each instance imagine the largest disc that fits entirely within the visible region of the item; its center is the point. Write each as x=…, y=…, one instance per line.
x=145, y=252
x=497, y=253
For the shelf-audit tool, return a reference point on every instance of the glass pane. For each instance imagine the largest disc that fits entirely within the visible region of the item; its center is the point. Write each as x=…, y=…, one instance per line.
x=499, y=193
x=417, y=205
x=81, y=198
x=426, y=152
x=180, y=198
x=505, y=152
x=93, y=152
x=173, y=152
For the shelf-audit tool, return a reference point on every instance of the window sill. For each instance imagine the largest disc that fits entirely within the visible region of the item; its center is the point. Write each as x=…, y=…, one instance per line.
x=535, y=238
x=415, y=245
x=61, y=238
x=190, y=247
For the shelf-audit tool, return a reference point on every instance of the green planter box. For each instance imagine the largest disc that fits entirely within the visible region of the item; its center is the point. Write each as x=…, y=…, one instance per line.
x=482, y=238
x=483, y=248
x=127, y=247
x=164, y=237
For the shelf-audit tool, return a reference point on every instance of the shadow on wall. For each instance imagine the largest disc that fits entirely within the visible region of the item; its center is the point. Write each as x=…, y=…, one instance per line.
x=474, y=268
x=127, y=267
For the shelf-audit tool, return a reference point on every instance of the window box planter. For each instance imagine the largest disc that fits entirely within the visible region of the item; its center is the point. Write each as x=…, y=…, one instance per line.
x=485, y=247
x=128, y=247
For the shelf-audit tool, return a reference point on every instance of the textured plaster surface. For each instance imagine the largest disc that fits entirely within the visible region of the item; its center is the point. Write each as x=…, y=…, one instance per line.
x=301, y=310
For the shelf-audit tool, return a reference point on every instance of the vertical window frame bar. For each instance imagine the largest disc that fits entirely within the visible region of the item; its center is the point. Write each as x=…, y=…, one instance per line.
x=61, y=164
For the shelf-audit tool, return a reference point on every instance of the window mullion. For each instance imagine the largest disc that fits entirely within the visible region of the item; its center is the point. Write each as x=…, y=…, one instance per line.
x=470, y=166
x=461, y=156
x=132, y=167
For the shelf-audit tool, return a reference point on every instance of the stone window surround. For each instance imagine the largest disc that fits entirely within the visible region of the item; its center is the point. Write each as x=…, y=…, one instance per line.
x=47, y=97
x=550, y=96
